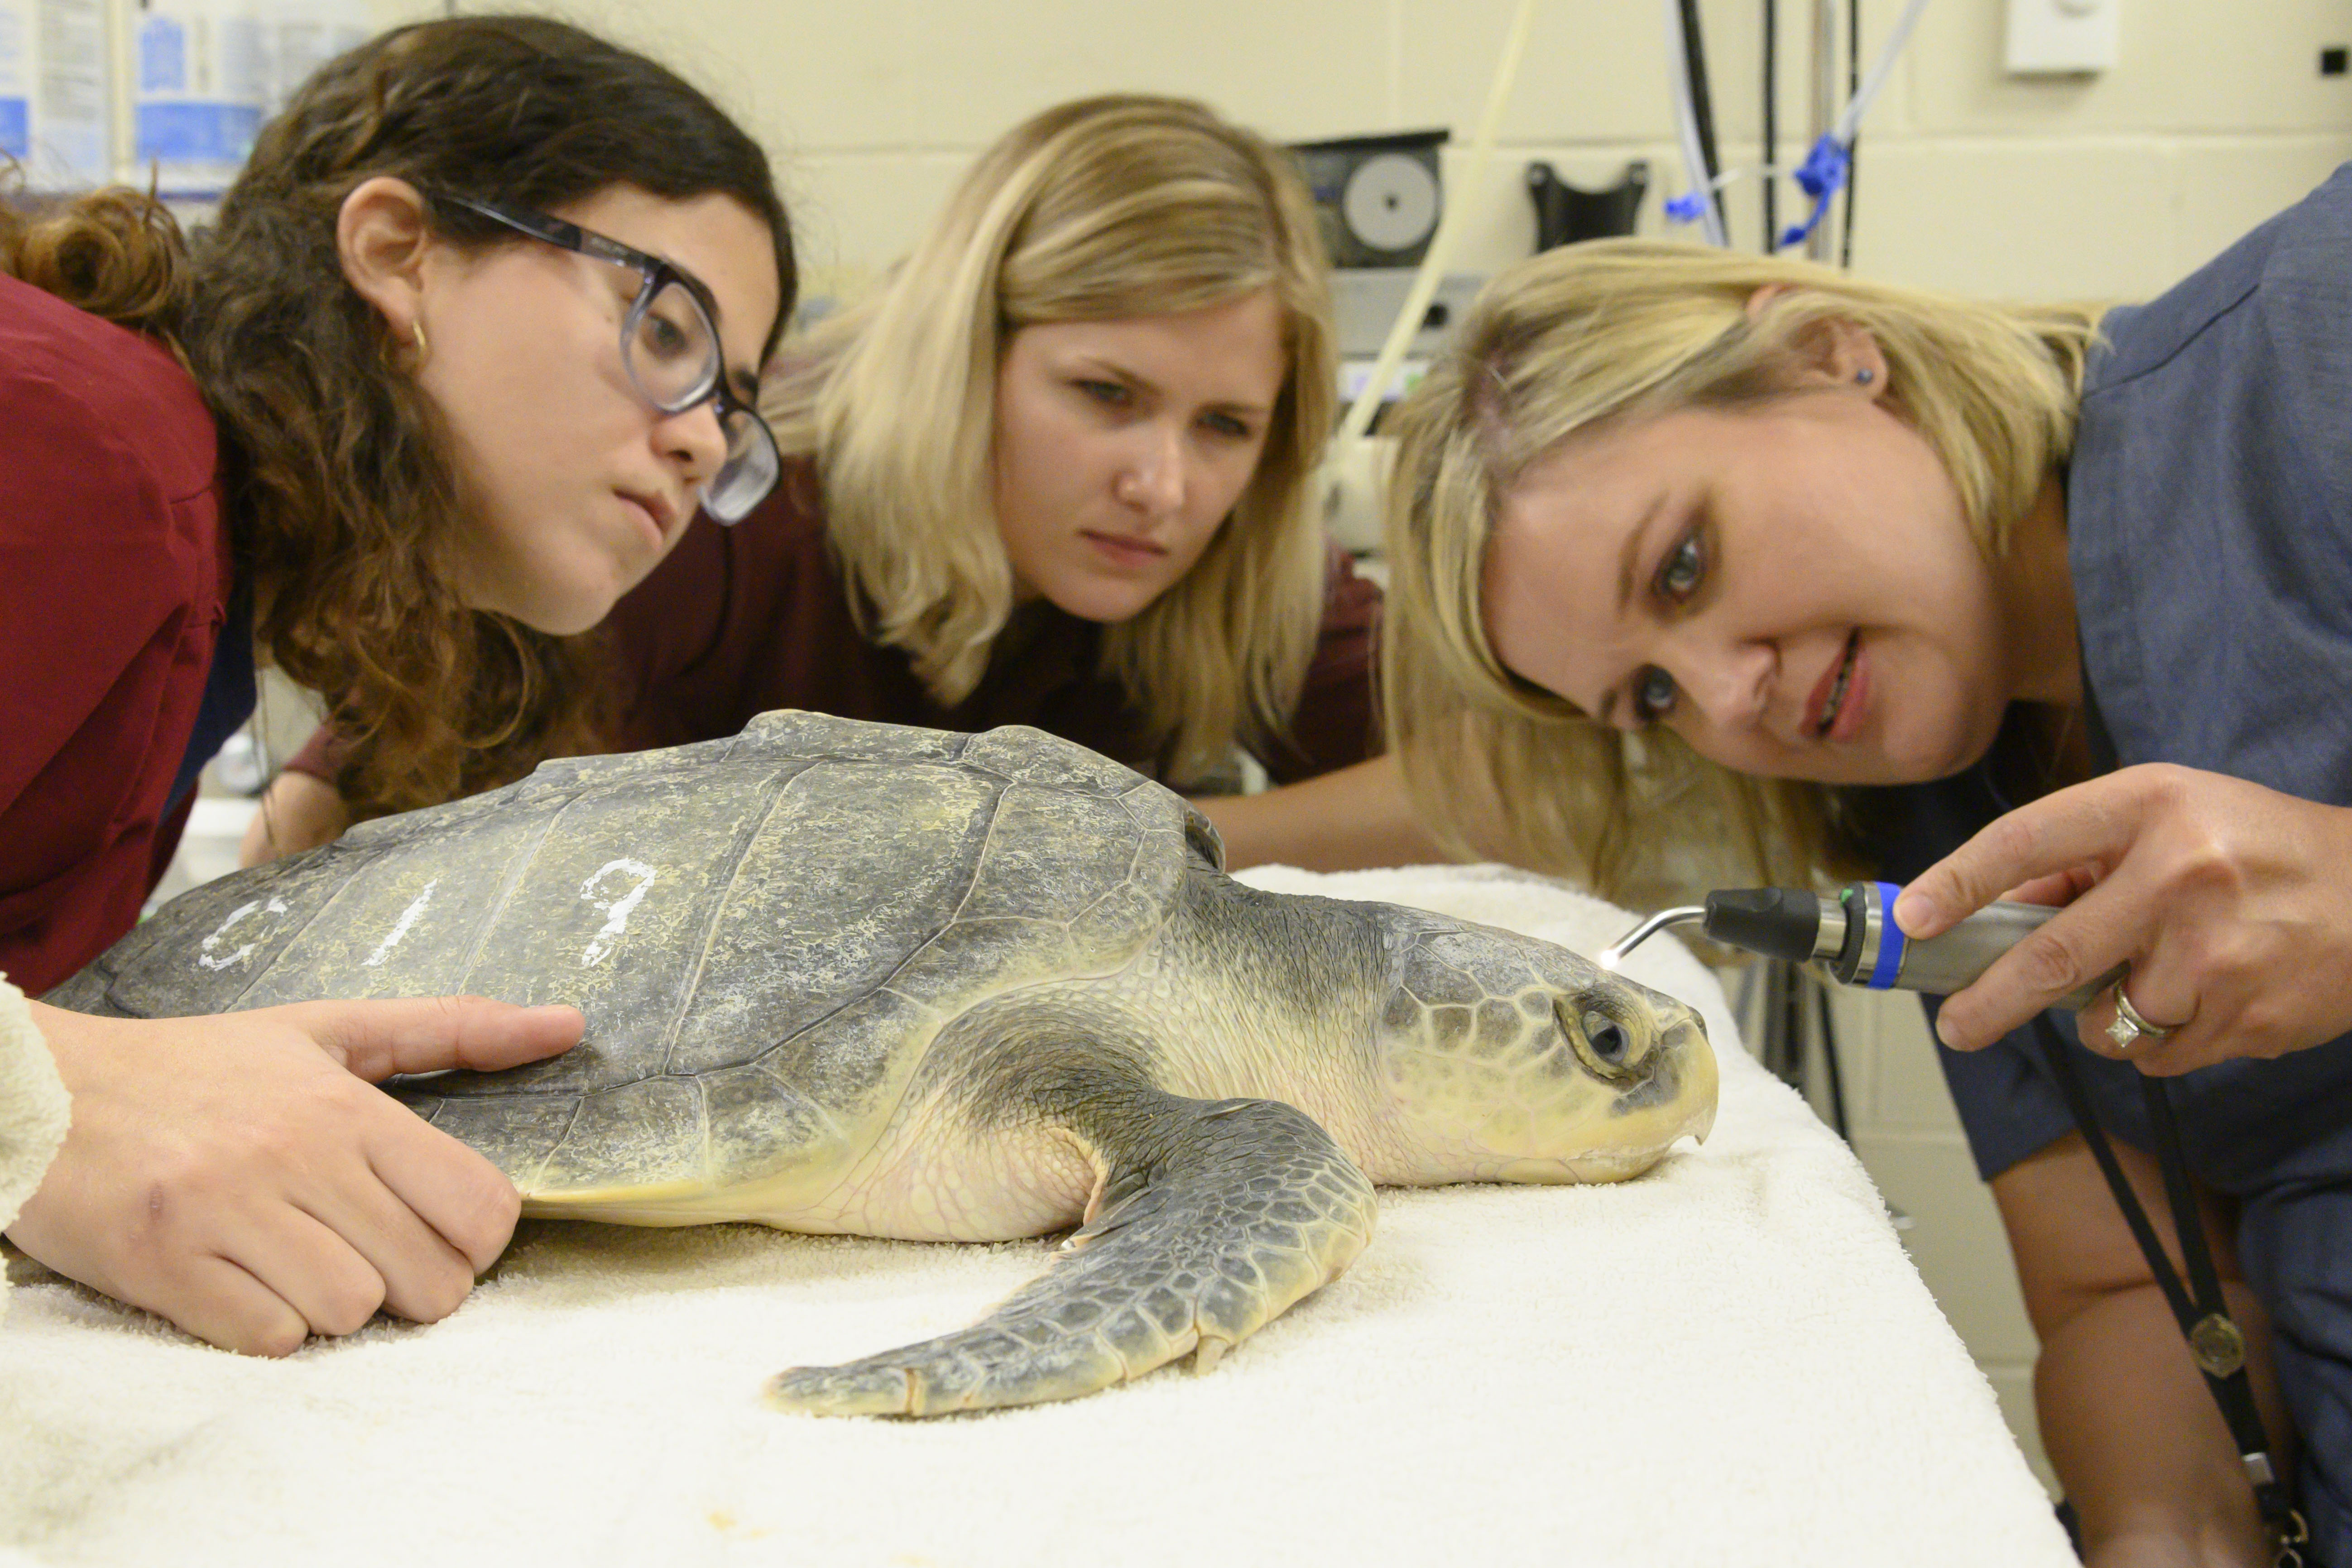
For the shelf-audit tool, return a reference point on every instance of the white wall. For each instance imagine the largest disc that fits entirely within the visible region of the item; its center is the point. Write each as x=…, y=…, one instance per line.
x=2107, y=188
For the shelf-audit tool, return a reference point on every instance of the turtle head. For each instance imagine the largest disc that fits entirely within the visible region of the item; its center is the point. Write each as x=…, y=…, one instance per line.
x=1506, y=1059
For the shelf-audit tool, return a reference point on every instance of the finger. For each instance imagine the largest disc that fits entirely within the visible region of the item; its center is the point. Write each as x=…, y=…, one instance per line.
x=2163, y=991
x=465, y=1200
x=421, y=1274
x=308, y=1265
x=2169, y=1057
x=2055, y=890
x=2088, y=826
x=2095, y=1026
x=2172, y=1057
x=426, y=1034
x=2105, y=926
x=223, y=1305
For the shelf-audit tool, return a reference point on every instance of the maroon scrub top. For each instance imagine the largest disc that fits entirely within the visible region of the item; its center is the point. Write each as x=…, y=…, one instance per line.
x=740, y=620
x=114, y=585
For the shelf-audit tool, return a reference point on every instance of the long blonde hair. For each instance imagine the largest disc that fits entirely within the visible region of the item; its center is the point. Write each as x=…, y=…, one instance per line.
x=1623, y=330
x=1105, y=208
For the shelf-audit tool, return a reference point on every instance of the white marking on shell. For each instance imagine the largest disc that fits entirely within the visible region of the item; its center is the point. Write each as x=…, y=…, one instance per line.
x=617, y=911
x=237, y=917
x=400, y=927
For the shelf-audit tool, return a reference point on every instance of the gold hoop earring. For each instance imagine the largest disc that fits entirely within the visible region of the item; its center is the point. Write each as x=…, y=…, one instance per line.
x=424, y=349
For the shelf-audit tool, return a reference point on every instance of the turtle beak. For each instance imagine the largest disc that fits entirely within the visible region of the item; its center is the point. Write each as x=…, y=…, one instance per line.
x=1676, y=1095
x=1687, y=1046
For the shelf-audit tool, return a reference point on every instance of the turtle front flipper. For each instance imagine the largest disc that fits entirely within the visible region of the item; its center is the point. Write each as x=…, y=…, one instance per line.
x=1212, y=1220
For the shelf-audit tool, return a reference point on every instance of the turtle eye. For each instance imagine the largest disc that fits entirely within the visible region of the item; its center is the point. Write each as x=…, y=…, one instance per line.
x=1608, y=1047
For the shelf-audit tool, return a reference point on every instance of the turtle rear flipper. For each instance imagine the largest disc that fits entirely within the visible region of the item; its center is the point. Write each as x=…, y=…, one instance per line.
x=1219, y=1217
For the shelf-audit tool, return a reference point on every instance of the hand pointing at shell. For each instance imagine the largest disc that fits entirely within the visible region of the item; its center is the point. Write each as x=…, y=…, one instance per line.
x=2231, y=903
x=239, y=1175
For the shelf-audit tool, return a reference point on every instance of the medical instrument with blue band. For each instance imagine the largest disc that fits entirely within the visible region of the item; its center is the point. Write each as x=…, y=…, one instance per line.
x=1854, y=936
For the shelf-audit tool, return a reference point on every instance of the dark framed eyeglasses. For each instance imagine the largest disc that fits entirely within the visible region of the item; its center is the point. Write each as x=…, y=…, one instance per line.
x=669, y=346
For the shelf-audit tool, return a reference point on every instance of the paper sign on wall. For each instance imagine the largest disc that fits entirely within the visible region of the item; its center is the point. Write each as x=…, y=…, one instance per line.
x=210, y=72
x=16, y=85
x=55, y=118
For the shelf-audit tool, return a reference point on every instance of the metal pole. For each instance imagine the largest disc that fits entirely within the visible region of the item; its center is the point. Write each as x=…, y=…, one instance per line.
x=1824, y=105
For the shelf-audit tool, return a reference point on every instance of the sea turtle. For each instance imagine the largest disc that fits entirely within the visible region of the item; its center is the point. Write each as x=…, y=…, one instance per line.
x=859, y=978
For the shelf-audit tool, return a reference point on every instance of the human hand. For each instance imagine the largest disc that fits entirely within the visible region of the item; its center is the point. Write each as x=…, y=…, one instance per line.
x=298, y=812
x=1356, y=817
x=2232, y=904
x=239, y=1175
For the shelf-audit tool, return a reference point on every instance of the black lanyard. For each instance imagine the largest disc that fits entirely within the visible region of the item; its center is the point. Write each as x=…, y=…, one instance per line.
x=2215, y=1341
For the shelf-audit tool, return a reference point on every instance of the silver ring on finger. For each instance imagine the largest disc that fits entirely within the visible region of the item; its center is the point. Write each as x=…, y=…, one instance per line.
x=2128, y=1028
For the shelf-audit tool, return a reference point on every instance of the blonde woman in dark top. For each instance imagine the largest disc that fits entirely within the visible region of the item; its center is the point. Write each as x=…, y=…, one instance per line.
x=1055, y=472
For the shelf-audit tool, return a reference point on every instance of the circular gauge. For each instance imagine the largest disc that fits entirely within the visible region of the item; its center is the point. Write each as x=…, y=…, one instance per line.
x=1390, y=203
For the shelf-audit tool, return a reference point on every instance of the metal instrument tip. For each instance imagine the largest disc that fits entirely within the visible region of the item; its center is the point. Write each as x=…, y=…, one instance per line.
x=1614, y=954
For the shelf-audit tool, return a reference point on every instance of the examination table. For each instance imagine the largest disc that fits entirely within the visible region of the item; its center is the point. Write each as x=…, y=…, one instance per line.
x=1728, y=1362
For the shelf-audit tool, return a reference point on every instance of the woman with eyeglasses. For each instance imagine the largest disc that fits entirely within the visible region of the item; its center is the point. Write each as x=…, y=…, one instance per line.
x=1055, y=473
x=475, y=332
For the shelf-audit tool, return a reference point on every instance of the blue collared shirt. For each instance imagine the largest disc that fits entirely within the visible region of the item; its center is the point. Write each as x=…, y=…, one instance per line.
x=2209, y=507
x=2209, y=513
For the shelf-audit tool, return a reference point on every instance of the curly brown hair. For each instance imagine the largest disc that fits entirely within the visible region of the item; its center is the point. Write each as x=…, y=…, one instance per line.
x=342, y=506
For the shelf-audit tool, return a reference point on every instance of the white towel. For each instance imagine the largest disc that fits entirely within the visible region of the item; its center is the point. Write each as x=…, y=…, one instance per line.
x=33, y=1111
x=1730, y=1361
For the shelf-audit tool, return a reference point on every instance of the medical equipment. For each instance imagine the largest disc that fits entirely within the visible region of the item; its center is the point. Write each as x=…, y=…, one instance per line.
x=1825, y=166
x=1414, y=312
x=1353, y=464
x=1854, y=936
x=1565, y=213
x=1379, y=196
x=1695, y=125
